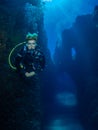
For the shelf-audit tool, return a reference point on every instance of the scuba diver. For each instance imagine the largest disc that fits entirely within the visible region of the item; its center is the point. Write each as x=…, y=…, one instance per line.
x=29, y=61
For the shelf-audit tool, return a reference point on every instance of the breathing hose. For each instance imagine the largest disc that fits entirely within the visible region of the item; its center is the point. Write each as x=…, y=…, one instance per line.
x=10, y=54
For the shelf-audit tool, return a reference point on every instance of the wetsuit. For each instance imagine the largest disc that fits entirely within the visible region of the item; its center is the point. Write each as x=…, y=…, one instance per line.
x=29, y=60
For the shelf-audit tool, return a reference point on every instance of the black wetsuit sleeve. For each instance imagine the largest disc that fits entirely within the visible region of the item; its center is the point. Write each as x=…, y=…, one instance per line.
x=18, y=61
x=42, y=61
x=40, y=65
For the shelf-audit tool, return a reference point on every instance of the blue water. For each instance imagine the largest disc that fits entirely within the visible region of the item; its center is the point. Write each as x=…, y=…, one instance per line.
x=63, y=113
x=60, y=14
x=61, y=100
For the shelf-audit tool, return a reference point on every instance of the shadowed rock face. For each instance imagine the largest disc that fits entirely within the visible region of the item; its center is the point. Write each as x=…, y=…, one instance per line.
x=19, y=102
x=83, y=36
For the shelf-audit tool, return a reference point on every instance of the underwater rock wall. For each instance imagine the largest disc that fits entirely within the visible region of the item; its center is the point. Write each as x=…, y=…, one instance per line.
x=88, y=32
x=13, y=15
x=82, y=66
x=20, y=104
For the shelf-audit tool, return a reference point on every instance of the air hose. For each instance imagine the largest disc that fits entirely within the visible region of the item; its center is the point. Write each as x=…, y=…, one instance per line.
x=10, y=54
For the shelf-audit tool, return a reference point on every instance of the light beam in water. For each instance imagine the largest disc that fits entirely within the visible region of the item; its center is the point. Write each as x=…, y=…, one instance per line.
x=46, y=0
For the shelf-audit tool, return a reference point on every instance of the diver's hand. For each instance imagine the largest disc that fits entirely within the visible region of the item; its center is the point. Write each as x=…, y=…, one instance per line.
x=27, y=74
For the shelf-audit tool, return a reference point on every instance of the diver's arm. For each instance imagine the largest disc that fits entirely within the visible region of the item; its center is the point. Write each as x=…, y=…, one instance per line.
x=18, y=62
x=18, y=58
x=42, y=62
